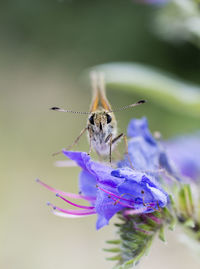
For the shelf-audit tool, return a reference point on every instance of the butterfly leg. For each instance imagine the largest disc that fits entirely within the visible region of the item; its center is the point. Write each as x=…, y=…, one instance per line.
x=90, y=144
x=110, y=152
x=117, y=138
x=126, y=146
x=74, y=143
x=109, y=138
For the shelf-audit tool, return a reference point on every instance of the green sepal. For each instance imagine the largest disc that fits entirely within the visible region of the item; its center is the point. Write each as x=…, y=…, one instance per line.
x=189, y=223
x=136, y=235
x=172, y=224
x=162, y=234
x=112, y=250
x=186, y=206
x=114, y=258
x=188, y=213
x=113, y=242
x=127, y=265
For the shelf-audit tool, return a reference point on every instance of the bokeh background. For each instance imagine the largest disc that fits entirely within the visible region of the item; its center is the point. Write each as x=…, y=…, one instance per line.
x=45, y=48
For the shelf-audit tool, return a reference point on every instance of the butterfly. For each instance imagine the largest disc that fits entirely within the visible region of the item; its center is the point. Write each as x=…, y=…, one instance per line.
x=101, y=124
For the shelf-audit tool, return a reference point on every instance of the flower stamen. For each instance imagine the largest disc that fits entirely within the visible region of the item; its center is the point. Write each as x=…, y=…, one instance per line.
x=72, y=212
x=149, y=205
x=74, y=204
x=68, y=194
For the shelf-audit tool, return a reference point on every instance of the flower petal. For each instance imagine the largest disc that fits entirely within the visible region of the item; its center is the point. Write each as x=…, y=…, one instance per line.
x=184, y=151
x=87, y=184
x=142, y=154
x=143, y=188
x=81, y=158
x=143, y=149
x=101, y=171
x=106, y=207
x=139, y=127
x=101, y=222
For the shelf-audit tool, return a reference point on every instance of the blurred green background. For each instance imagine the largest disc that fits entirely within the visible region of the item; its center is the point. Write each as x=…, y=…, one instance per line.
x=45, y=48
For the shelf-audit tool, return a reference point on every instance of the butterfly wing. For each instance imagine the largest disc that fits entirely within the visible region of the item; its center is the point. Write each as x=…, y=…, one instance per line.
x=99, y=96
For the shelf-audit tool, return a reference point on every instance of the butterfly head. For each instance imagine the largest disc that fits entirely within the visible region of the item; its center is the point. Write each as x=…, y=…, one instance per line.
x=101, y=121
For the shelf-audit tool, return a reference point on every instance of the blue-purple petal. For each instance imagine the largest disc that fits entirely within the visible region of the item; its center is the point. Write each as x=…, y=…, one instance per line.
x=142, y=154
x=81, y=158
x=105, y=206
x=141, y=187
x=153, y=2
x=103, y=174
x=139, y=128
x=100, y=171
x=87, y=184
x=101, y=222
x=184, y=151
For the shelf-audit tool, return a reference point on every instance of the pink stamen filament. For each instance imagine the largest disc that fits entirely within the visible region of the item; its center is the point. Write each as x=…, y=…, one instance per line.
x=73, y=212
x=114, y=195
x=76, y=205
x=68, y=194
x=64, y=215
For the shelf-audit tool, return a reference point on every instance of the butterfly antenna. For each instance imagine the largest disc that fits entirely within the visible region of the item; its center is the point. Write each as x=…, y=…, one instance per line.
x=69, y=111
x=129, y=106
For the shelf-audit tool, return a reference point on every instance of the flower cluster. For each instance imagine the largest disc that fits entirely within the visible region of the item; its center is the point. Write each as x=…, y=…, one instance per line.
x=134, y=188
x=110, y=190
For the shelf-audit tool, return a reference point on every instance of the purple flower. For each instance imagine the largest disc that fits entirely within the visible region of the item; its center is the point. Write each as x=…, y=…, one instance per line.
x=110, y=190
x=184, y=151
x=156, y=2
x=142, y=148
x=144, y=152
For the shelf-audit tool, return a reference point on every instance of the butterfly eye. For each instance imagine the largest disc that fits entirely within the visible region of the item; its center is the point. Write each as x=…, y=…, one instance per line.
x=109, y=118
x=91, y=119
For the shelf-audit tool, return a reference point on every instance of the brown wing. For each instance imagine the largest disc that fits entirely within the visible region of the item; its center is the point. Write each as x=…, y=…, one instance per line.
x=99, y=97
